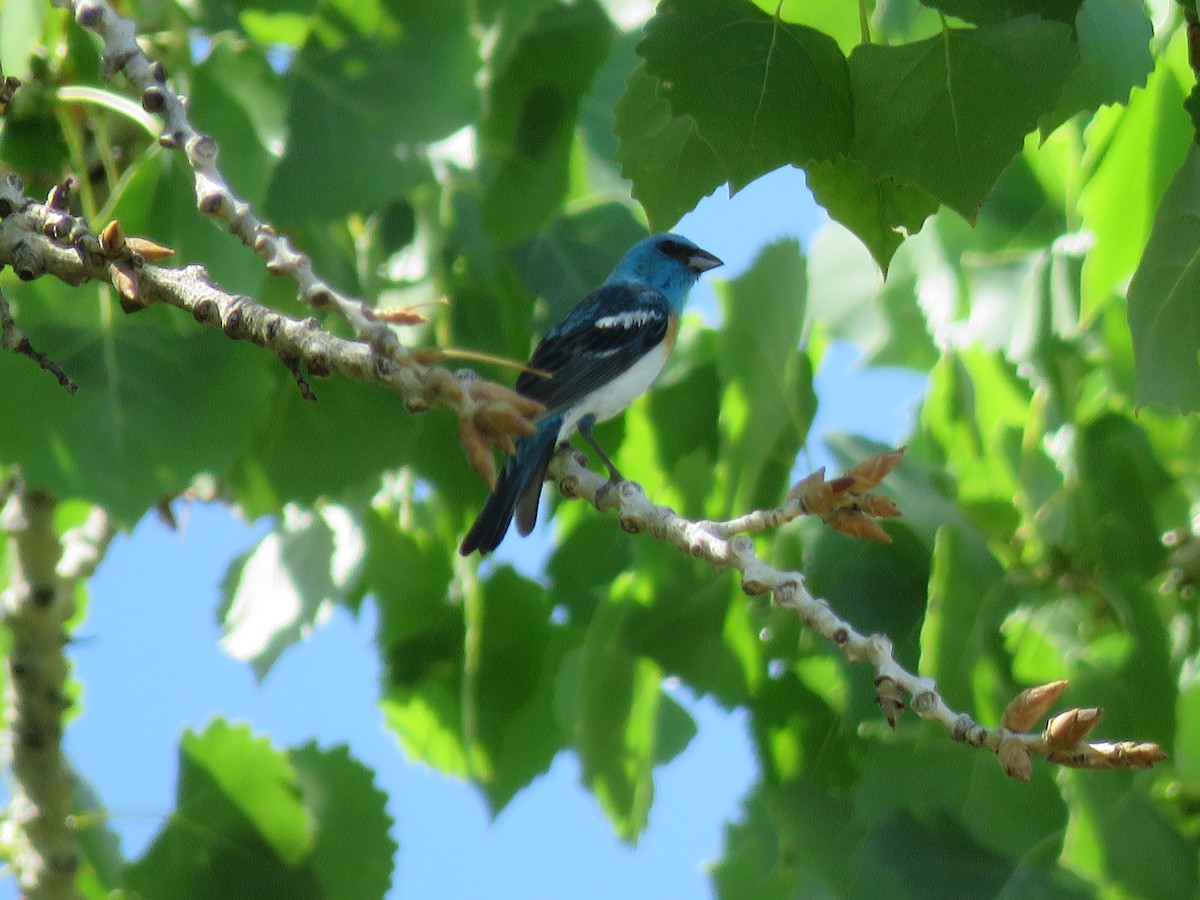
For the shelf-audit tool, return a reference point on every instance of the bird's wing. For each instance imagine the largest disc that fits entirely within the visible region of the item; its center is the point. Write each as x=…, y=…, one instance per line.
x=611, y=329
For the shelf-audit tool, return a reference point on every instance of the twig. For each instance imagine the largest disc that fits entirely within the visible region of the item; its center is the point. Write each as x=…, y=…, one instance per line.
x=39, y=239
x=1062, y=742
x=13, y=339
x=214, y=197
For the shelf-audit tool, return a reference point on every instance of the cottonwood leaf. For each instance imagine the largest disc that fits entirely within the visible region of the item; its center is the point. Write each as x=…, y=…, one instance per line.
x=1163, y=297
x=948, y=113
x=763, y=92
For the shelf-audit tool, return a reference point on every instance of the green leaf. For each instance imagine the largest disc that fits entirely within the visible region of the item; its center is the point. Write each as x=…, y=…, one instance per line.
x=368, y=80
x=616, y=728
x=275, y=592
x=879, y=209
x=793, y=728
x=32, y=140
x=837, y=19
x=686, y=410
x=877, y=587
x=421, y=643
x=751, y=864
x=974, y=399
x=669, y=164
x=408, y=572
x=1152, y=137
x=1114, y=57
x=760, y=363
x=691, y=624
x=763, y=93
x=514, y=734
x=251, y=821
x=1120, y=479
x=948, y=113
x=533, y=106
x=983, y=12
x=240, y=828
x=675, y=730
x=491, y=308
x=21, y=24
x=306, y=450
x=1105, y=813
x=574, y=253
x=792, y=840
x=352, y=851
x=598, y=116
x=846, y=301
x=906, y=857
x=1163, y=297
x=935, y=776
x=1186, y=755
x=283, y=28
x=585, y=562
x=960, y=623
x=160, y=399
x=101, y=872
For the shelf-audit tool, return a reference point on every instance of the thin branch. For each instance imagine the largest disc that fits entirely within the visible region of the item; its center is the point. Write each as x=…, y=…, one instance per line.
x=39, y=240
x=714, y=543
x=13, y=339
x=214, y=197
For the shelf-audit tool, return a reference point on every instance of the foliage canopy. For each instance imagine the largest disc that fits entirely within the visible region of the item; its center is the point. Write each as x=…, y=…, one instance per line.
x=1024, y=175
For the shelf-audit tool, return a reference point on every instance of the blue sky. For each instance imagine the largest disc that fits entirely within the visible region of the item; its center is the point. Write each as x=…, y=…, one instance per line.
x=150, y=665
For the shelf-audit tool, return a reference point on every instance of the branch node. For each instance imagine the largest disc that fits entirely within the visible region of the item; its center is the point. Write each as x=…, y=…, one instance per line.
x=785, y=593
x=202, y=151
x=568, y=486
x=630, y=524
x=924, y=702
x=89, y=13
x=1014, y=758
x=154, y=98
x=59, y=198
x=212, y=202
x=967, y=731
x=890, y=698
x=171, y=140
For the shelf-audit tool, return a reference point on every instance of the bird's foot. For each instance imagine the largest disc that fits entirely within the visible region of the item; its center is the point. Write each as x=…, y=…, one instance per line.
x=607, y=493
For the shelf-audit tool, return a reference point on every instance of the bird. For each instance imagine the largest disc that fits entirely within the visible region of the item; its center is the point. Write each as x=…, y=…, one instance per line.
x=589, y=367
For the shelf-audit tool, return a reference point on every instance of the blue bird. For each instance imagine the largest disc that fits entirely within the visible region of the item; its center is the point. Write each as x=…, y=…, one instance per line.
x=599, y=358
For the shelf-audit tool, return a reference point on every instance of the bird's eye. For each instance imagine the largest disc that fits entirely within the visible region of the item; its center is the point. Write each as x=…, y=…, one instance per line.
x=675, y=249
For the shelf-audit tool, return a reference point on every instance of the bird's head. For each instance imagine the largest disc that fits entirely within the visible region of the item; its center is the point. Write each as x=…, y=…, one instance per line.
x=668, y=263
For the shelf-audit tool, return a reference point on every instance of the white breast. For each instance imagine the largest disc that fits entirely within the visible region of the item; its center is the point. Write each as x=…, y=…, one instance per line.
x=615, y=396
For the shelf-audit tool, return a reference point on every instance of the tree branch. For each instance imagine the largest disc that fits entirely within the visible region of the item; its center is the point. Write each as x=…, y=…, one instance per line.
x=1063, y=740
x=39, y=239
x=214, y=197
x=36, y=604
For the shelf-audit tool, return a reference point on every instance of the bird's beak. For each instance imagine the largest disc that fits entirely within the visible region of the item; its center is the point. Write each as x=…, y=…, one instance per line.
x=702, y=261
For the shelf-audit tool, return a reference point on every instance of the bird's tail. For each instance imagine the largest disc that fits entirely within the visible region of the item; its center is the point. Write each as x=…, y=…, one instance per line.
x=517, y=490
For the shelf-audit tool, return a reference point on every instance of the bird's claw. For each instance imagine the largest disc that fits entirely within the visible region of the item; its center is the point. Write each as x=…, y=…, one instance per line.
x=608, y=487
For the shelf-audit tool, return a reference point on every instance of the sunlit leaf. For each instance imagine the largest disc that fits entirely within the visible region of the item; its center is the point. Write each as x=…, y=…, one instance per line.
x=1163, y=297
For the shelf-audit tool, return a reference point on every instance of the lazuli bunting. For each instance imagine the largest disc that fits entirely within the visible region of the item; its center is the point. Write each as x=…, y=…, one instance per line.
x=598, y=359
